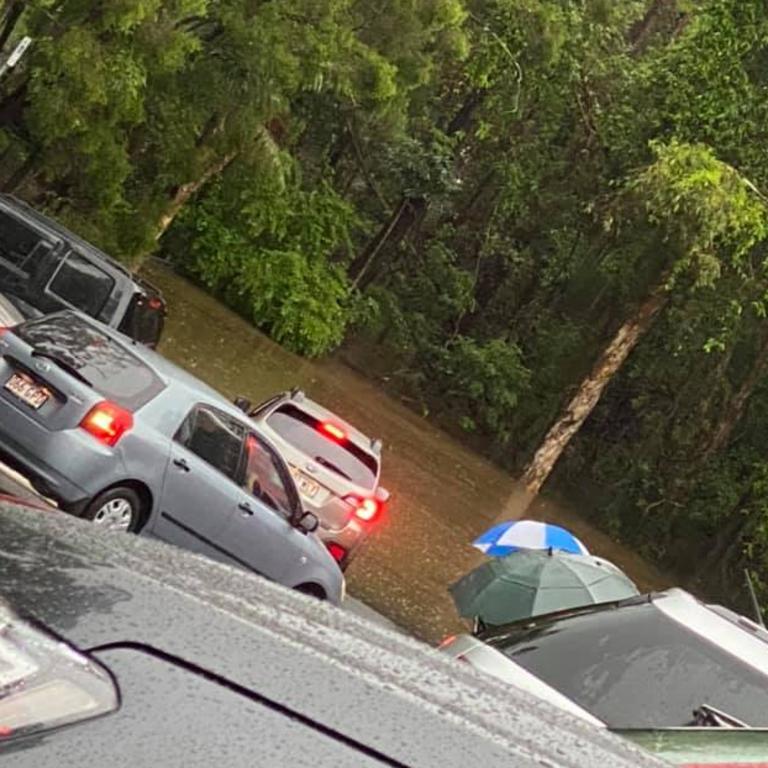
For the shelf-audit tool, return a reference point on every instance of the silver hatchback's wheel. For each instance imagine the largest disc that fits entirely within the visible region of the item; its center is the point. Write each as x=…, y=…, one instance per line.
x=118, y=509
x=115, y=515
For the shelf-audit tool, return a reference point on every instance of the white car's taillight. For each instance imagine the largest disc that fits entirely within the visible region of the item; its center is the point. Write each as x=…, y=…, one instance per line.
x=44, y=683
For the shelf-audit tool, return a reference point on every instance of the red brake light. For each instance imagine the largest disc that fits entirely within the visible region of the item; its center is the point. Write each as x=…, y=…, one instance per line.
x=107, y=422
x=337, y=433
x=338, y=553
x=3, y=329
x=365, y=509
x=155, y=304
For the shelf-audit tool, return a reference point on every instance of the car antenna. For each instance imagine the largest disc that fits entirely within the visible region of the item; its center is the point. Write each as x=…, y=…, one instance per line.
x=752, y=594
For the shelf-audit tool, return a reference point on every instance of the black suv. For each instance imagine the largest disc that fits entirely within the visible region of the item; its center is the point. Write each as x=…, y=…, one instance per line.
x=45, y=267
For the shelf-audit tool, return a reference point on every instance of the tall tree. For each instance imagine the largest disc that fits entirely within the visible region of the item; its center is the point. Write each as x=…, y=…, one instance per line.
x=709, y=217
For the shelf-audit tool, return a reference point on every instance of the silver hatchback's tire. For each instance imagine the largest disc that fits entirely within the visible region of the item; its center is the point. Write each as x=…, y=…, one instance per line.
x=118, y=509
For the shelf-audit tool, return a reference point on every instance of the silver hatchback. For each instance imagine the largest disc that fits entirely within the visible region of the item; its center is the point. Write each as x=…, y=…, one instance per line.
x=336, y=467
x=117, y=434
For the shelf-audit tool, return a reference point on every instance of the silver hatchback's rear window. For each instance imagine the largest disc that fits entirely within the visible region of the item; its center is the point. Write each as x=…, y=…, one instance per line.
x=340, y=455
x=111, y=368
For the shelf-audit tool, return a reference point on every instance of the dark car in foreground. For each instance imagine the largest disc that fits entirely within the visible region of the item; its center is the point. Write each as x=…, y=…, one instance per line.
x=687, y=680
x=212, y=667
x=651, y=661
x=117, y=434
x=44, y=267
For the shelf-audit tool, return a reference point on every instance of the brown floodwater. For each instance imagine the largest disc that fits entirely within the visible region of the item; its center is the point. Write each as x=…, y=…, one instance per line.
x=443, y=495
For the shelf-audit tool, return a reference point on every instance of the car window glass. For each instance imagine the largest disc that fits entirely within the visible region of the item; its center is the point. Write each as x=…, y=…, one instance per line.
x=111, y=368
x=636, y=668
x=82, y=284
x=20, y=244
x=343, y=457
x=263, y=476
x=144, y=319
x=215, y=438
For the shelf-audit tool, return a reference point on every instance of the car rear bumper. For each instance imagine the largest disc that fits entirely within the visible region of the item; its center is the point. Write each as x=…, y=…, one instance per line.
x=65, y=465
x=44, y=478
x=351, y=538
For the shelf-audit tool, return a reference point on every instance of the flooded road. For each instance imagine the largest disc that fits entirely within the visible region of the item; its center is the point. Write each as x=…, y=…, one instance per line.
x=443, y=496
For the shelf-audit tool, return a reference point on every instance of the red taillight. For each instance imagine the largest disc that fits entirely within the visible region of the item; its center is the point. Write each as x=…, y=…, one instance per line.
x=338, y=553
x=107, y=422
x=4, y=329
x=155, y=304
x=337, y=433
x=365, y=509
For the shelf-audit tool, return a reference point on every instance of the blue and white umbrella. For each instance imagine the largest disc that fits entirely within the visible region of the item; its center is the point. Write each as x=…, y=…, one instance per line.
x=505, y=538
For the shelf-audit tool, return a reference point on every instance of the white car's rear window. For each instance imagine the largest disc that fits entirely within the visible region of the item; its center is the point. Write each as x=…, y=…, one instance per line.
x=333, y=451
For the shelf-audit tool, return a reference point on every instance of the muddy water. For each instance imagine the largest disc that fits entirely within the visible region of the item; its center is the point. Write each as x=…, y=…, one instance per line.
x=442, y=494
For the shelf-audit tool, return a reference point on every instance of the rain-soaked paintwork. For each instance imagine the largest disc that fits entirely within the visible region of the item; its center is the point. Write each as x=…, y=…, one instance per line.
x=360, y=695
x=443, y=495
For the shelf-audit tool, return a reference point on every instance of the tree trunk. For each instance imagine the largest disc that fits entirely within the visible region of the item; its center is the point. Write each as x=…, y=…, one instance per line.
x=20, y=175
x=410, y=210
x=10, y=20
x=407, y=214
x=738, y=403
x=661, y=16
x=185, y=192
x=591, y=389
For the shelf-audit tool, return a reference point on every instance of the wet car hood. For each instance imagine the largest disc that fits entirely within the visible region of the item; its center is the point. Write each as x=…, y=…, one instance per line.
x=359, y=679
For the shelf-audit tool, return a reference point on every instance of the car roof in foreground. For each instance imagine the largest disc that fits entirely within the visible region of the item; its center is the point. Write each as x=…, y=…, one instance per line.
x=353, y=677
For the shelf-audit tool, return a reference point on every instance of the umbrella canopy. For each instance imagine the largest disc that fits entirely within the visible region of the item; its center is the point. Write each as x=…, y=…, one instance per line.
x=513, y=535
x=526, y=584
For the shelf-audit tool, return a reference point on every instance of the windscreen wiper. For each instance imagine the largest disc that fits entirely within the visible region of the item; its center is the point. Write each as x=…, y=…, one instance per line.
x=63, y=364
x=707, y=716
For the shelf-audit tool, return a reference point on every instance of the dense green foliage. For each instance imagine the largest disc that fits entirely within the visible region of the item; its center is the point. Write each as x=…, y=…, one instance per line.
x=484, y=191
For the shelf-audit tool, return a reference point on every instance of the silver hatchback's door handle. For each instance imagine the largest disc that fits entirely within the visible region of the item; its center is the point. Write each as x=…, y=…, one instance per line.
x=245, y=509
x=181, y=464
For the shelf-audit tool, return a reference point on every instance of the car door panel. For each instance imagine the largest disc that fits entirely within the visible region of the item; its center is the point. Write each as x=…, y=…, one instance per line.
x=260, y=533
x=261, y=539
x=199, y=492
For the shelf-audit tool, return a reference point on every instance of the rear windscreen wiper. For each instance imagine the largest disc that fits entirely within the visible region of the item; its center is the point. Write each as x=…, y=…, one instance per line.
x=63, y=364
x=330, y=465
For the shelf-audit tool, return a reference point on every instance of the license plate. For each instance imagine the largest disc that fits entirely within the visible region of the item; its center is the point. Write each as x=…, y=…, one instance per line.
x=27, y=391
x=307, y=487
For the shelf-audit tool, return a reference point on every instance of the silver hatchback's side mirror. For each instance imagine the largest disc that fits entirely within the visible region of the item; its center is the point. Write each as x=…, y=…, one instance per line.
x=308, y=523
x=382, y=495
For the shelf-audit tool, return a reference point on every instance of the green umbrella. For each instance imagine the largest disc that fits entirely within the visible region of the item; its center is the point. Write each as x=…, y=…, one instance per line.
x=530, y=583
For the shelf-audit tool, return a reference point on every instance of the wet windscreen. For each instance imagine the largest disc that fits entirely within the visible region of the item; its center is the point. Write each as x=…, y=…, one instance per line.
x=108, y=366
x=342, y=457
x=637, y=668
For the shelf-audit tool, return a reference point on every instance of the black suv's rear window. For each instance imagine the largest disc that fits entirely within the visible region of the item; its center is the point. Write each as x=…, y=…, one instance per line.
x=343, y=457
x=111, y=368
